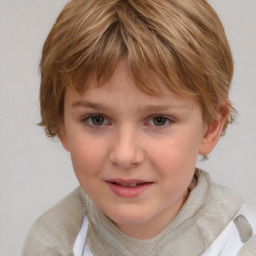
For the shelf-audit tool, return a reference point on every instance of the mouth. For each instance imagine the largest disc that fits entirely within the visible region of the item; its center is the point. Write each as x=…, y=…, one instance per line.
x=132, y=185
x=128, y=188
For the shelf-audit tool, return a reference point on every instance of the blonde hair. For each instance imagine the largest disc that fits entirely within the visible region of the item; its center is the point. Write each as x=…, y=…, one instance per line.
x=181, y=41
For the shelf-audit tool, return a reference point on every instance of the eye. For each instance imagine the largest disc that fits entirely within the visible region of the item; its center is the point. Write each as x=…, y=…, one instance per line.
x=159, y=121
x=96, y=120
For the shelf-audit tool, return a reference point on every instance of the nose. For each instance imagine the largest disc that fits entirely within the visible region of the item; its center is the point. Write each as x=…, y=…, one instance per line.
x=126, y=149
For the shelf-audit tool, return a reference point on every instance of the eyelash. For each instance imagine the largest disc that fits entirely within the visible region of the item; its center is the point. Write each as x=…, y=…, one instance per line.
x=88, y=120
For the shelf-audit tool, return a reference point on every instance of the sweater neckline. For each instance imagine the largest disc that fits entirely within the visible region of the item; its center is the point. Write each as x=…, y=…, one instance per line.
x=193, y=229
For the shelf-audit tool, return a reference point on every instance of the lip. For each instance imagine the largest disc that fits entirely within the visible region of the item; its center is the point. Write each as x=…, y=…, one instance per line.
x=126, y=191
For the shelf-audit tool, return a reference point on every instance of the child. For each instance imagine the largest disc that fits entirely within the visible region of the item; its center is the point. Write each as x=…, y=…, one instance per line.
x=136, y=90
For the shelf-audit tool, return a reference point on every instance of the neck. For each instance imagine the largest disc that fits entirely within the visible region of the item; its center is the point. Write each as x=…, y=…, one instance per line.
x=153, y=227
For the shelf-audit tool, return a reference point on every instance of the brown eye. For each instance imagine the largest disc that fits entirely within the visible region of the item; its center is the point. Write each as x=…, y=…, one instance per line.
x=160, y=121
x=97, y=120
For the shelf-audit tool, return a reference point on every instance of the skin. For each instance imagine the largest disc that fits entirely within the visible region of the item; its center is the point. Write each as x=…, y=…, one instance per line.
x=116, y=131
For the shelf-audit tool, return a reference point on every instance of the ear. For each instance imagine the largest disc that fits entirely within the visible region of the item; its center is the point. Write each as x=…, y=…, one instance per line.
x=212, y=133
x=63, y=138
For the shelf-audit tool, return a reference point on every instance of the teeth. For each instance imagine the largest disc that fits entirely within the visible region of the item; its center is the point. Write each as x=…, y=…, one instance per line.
x=132, y=185
x=127, y=185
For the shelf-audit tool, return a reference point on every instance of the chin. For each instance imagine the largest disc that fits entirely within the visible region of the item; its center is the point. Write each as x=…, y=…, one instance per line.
x=129, y=217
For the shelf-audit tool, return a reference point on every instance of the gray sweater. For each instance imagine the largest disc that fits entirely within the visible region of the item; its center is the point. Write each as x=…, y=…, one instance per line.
x=207, y=211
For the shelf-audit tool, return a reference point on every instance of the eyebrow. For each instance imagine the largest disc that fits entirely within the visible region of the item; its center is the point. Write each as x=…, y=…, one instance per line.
x=89, y=104
x=147, y=108
x=157, y=108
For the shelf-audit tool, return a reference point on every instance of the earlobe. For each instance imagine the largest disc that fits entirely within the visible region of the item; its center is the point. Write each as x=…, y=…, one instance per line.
x=63, y=138
x=212, y=134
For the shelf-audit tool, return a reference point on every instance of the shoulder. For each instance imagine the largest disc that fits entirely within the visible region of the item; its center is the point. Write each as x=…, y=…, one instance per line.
x=249, y=248
x=55, y=231
x=227, y=213
x=246, y=226
x=219, y=196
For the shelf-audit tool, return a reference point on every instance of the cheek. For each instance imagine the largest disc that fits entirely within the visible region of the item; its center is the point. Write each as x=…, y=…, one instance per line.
x=87, y=160
x=177, y=153
x=87, y=155
x=175, y=160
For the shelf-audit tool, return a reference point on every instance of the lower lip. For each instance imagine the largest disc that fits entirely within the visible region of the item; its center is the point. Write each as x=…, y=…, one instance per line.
x=128, y=192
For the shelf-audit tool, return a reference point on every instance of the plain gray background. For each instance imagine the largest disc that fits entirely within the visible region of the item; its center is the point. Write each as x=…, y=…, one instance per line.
x=36, y=172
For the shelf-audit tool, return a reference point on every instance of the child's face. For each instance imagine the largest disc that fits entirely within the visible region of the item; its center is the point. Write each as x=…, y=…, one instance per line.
x=133, y=154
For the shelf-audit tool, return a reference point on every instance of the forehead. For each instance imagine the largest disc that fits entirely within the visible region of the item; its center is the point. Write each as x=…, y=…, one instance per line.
x=152, y=85
x=121, y=89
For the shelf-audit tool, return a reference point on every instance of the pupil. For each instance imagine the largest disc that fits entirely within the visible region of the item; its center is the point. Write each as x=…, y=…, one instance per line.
x=159, y=121
x=97, y=120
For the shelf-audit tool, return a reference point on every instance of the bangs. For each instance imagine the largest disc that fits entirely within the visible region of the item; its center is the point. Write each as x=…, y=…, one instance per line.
x=180, y=43
x=125, y=34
